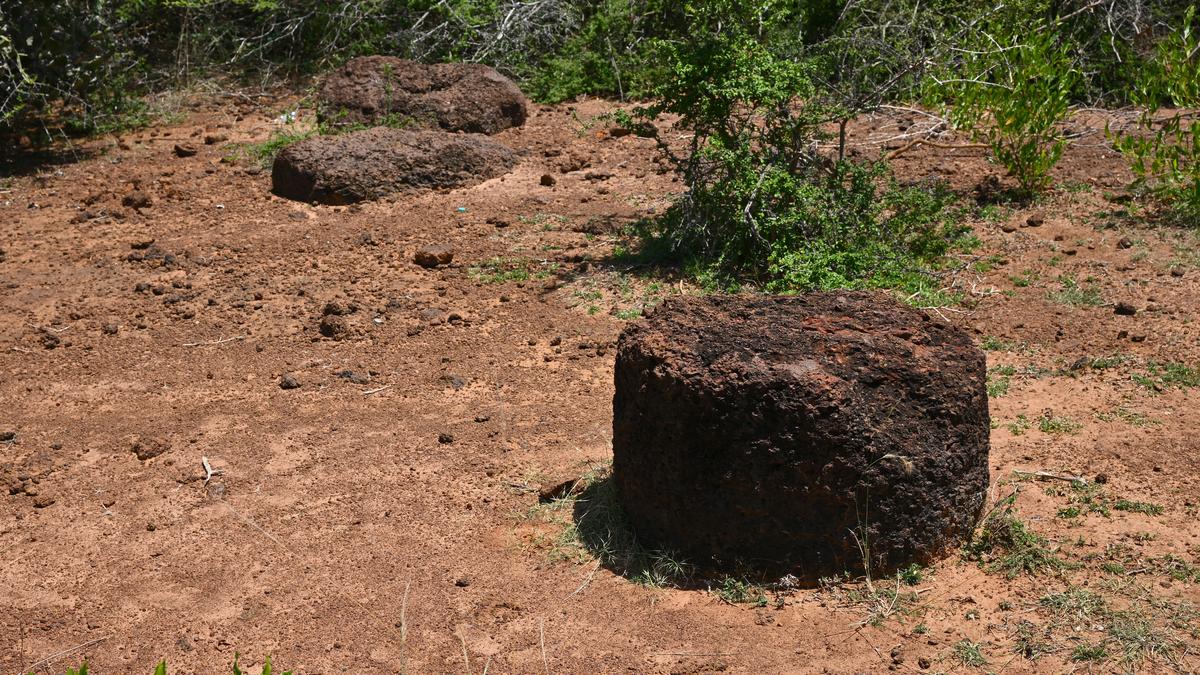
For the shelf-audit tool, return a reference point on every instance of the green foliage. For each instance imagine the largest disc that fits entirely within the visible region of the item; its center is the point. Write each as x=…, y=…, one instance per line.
x=1072, y=293
x=1146, y=508
x=737, y=591
x=1058, y=424
x=1014, y=94
x=762, y=202
x=970, y=653
x=1165, y=153
x=1006, y=545
x=1162, y=376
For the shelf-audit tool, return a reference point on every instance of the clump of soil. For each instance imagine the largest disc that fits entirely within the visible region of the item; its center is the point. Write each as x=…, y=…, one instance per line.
x=374, y=163
x=790, y=433
x=467, y=97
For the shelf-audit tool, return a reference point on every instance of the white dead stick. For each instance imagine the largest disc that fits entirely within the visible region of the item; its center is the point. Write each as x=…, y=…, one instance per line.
x=63, y=653
x=209, y=472
x=215, y=342
x=1046, y=475
x=587, y=580
x=376, y=390
x=463, y=642
x=404, y=630
x=542, y=642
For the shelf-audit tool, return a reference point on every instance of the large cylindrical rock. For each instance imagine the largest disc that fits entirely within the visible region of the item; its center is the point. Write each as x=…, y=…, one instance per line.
x=791, y=434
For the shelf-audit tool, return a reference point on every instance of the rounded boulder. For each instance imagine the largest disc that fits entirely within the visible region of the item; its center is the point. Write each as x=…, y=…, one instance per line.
x=374, y=163
x=468, y=97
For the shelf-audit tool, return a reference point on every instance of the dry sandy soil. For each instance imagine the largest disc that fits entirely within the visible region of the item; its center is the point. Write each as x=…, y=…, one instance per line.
x=388, y=521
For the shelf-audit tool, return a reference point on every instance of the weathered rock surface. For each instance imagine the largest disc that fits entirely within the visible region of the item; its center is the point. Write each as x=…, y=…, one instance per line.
x=374, y=163
x=778, y=432
x=467, y=97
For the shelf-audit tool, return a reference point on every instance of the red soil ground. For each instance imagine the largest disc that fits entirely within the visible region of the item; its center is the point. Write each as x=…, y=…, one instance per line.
x=388, y=522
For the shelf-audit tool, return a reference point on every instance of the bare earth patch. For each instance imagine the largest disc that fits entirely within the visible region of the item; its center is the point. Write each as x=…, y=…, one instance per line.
x=164, y=497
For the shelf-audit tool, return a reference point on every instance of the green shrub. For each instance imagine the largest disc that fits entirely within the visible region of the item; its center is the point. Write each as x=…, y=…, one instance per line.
x=1013, y=95
x=1165, y=153
x=762, y=202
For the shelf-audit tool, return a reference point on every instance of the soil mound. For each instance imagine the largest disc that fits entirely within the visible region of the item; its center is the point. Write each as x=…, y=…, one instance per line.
x=780, y=433
x=468, y=97
x=374, y=163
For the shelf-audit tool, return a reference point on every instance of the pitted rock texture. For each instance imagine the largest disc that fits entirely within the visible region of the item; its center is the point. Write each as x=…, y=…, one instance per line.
x=467, y=97
x=374, y=163
x=775, y=433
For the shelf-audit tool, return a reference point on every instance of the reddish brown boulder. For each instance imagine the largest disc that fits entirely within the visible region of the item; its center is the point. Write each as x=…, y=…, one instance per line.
x=467, y=97
x=433, y=255
x=374, y=163
x=779, y=433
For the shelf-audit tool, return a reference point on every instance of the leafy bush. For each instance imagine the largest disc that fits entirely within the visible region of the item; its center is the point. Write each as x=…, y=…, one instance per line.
x=1165, y=154
x=70, y=61
x=1013, y=96
x=762, y=201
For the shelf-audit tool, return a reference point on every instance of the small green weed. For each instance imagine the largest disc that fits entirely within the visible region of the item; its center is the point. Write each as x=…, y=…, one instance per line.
x=970, y=653
x=1058, y=424
x=504, y=270
x=992, y=343
x=999, y=379
x=1075, y=603
x=1162, y=376
x=263, y=153
x=1025, y=279
x=1029, y=644
x=1138, y=507
x=1004, y=544
x=1089, y=652
x=1018, y=426
x=1072, y=293
x=737, y=591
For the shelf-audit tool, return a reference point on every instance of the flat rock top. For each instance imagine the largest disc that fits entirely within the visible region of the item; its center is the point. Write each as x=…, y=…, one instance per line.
x=467, y=97
x=831, y=331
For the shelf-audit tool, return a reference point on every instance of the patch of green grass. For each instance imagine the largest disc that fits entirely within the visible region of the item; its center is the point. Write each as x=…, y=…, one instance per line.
x=1076, y=295
x=1025, y=279
x=1129, y=417
x=992, y=343
x=628, y=314
x=1139, y=640
x=993, y=213
x=263, y=153
x=989, y=263
x=1089, y=652
x=1161, y=376
x=1004, y=544
x=969, y=654
x=1058, y=424
x=1029, y=644
x=1074, y=602
x=1018, y=426
x=1177, y=568
x=504, y=270
x=999, y=379
x=1138, y=507
x=737, y=591
x=593, y=526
